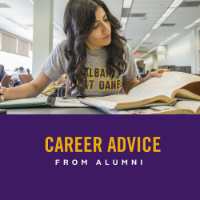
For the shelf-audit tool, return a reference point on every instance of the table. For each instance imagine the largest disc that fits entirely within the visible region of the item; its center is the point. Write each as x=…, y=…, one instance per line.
x=54, y=111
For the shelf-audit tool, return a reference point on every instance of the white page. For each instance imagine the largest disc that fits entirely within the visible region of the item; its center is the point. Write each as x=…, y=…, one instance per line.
x=123, y=98
x=24, y=101
x=165, y=85
x=60, y=102
x=190, y=105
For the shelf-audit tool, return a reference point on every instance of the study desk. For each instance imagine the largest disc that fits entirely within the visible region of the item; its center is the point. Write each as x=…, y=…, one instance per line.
x=54, y=111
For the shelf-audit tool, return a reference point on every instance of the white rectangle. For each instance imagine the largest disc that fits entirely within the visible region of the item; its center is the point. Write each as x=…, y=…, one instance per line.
x=127, y=3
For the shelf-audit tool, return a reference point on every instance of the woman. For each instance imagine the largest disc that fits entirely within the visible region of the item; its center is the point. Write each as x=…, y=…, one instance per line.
x=2, y=72
x=28, y=71
x=96, y=59
x=16, y=69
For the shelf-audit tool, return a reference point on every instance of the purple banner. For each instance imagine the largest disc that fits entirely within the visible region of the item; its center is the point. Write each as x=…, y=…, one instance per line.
x=123, y=157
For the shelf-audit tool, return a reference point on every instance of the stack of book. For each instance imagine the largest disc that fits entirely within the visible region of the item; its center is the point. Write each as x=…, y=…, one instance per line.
x=173, y=93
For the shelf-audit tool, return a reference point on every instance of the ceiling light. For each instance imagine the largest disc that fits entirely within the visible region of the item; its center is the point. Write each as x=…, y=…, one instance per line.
x=173, y=36
x=136, y=48
x=176, y=3
x=193, y=24
x=127, y=3
x=2, y=15
x=197, y=21
x=161, y=20
x=13, y=21
x=30, y=3
x=168, y=12
x=152, y=50
x=144, y=55
x=156, y=26
x=147, y=35
x=189, y=26
x=142, y=41
x=124, y=20
x=164, y=42
x=176, y=34
x=57, y=26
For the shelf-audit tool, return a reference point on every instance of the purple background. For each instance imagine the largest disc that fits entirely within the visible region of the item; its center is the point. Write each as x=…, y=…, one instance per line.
x=28, y=172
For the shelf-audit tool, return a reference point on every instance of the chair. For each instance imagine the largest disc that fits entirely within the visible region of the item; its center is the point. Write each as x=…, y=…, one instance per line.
x=25, y=78
x=6, y=81
x=197, y=74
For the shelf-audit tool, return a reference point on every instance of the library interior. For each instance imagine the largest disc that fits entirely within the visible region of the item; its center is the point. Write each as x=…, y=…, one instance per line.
x=48, y=49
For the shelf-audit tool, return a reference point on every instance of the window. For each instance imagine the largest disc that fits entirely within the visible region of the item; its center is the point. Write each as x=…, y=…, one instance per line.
x=15, y=53
x=11, y=61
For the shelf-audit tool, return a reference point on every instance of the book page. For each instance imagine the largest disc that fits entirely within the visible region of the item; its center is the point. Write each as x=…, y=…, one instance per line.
x=152, y=110
x=26, y=101
x=123, y=98
x=165, y=85
x=190, y=105
x=164, y=108
x=117, y=112
x=60, y=102
x=155, y=110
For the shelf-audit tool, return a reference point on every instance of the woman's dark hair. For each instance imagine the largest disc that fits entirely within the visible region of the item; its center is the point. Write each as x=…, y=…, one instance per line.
x=28, y=70
x=2, y=72
x=1, y=69
x=21, y=68
x=79, y=21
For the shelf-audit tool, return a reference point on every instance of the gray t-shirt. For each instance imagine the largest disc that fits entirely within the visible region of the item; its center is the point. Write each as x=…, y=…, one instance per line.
x=99, y=82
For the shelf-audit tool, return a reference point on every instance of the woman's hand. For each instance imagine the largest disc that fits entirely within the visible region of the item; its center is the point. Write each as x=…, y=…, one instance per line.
x=2, y=92
x=128, y=85
x=29, y=90
x=157, y=73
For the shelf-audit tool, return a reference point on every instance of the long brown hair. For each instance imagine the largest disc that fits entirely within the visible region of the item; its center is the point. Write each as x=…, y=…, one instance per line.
x=79, y=20
x=2, y=72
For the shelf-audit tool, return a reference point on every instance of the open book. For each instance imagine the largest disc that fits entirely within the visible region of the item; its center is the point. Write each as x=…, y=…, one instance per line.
x=42, y=101
x=181, y=107
x=155, y=91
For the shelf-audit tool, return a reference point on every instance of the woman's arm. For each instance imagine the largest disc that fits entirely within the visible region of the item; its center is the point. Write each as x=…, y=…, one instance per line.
x=61, y=80
x=32, y=89
x=128, y=85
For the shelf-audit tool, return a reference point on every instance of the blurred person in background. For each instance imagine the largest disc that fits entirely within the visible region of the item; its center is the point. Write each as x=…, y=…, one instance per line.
x=2, y=72
x=12, y=78
x=15, y=77
x=28, y=71
x=21, y=71
x=140, y=69
x=170, y=68
x=16, y=69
